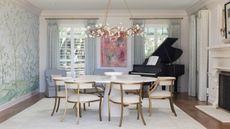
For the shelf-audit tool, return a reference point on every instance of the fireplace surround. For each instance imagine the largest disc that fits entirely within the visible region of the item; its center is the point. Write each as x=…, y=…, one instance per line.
x=224, y=90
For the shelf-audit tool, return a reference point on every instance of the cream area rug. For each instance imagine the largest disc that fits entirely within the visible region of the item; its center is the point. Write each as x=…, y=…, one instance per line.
x=217, y=113
x=38, y=117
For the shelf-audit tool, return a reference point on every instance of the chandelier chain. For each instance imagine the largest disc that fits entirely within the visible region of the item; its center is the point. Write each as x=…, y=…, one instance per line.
x=107, y=11
x=130, y=13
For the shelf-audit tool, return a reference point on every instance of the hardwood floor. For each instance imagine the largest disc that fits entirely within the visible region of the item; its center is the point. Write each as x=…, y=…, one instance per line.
x=6, y=114
x=186, y=103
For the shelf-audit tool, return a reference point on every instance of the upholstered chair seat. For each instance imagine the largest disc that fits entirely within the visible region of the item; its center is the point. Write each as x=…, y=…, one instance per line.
x=84, y=98
x=160, y=94
x=127, y=99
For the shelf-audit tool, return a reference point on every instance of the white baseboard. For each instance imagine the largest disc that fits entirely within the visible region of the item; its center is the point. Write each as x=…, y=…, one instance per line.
x=18, y=100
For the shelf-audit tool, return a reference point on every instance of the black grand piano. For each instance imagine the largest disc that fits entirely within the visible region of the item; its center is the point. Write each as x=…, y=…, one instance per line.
x=165, y=65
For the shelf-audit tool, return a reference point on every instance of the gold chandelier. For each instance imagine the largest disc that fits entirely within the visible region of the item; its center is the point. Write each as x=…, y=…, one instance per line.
x=104, y=29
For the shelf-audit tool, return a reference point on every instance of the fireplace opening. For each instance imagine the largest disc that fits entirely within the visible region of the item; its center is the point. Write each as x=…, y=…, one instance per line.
x=224, y=90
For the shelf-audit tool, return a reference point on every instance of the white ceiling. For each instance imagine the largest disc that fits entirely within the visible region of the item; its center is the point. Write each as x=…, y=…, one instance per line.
x=116, y=4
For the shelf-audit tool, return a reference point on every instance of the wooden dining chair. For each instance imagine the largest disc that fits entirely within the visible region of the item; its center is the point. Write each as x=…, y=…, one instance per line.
x=80, y=98
x=157, y=93
x=59, y=92
x=126, y=99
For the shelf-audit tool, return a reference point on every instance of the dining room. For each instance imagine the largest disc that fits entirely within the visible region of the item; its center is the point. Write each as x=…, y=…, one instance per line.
x=114, y=64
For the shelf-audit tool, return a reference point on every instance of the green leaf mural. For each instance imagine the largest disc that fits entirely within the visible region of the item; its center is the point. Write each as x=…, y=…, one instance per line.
x=19, y=54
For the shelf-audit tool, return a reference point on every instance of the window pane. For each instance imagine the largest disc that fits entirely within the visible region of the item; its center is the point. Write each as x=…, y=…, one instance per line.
x=76, y=35
x=154, y=36
x=79, y=50
x=65, y=48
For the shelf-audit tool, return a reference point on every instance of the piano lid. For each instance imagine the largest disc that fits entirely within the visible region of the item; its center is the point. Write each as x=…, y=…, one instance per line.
x=166, y=52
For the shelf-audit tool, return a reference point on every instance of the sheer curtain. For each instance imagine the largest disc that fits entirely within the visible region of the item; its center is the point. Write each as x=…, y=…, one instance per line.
x=138, y=48
x=202, y=53
x=174, y=30
x=90, y=51
x=192, y=56
x=53, y=42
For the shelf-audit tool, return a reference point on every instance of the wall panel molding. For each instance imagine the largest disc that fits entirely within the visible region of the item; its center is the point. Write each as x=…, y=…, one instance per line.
x=202, y=4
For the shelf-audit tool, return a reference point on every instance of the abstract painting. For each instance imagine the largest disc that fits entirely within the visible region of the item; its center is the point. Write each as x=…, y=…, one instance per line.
x=114, y=51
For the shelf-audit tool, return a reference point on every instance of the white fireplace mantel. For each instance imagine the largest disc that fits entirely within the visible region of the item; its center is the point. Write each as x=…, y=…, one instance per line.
x=219, y=60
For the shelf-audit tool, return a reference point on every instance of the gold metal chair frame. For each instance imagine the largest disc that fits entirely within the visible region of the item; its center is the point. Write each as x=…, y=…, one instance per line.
x=77, y=105
x=154, y=86
x=56, y=97
x=139, y=104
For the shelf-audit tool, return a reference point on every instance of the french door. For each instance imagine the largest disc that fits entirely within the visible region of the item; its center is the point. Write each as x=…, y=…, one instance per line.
x=72, y=49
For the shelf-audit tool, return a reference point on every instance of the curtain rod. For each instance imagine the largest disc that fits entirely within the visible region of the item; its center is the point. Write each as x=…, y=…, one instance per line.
x=71, y=18
x=153, y=18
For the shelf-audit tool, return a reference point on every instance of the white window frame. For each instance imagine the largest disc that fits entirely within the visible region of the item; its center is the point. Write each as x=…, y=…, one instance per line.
x=73, y=60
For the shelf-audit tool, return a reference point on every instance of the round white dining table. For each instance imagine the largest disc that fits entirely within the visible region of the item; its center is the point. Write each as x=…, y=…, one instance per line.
x=115, y=108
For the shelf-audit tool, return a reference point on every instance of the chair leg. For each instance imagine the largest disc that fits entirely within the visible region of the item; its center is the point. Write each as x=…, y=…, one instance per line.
x=75, y=108
x=121, y=118
x=63, y=117
x=58, y=104
x=150, y=107
x=55, y=103
x=138, y=112
x=172, y=107
x=109, y=114
x=80, y=110
x=84, y=107
x=141, y=112
x=100, y=118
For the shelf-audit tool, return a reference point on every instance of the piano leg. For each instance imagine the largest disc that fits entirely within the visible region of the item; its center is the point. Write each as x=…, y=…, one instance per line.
x=175, y=85
x=163, y=87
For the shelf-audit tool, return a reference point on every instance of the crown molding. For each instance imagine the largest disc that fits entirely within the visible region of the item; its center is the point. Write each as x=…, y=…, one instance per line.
x=28, y=6
x=202, y=4
x=113, y=13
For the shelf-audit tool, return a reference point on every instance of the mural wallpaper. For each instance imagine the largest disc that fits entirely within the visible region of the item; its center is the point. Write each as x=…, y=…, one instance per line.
x=114, y=51
x=19, y=31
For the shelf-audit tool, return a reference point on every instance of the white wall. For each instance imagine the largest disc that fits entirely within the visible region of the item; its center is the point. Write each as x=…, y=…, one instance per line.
x=215, y=24
x=115, y=17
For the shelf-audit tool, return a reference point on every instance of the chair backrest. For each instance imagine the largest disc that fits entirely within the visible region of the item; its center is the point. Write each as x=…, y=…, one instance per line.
x=162, y=81
x=166, y=81
x=126, y=86
x=59, y=82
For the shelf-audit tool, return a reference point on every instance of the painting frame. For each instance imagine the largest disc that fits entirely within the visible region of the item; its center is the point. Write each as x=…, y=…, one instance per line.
x=227, y=20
